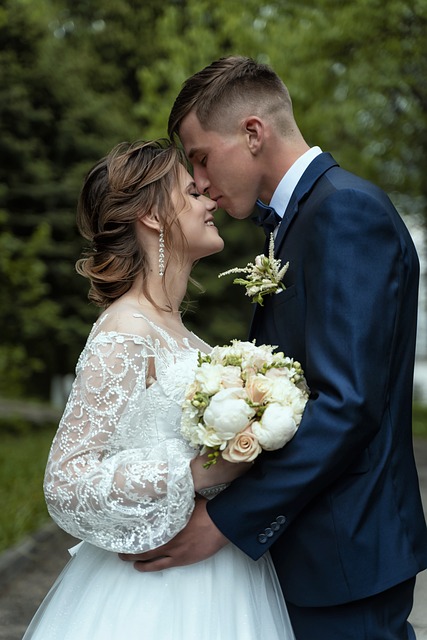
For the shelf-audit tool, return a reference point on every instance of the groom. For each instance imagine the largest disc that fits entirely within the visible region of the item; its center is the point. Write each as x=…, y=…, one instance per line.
x=339, y=507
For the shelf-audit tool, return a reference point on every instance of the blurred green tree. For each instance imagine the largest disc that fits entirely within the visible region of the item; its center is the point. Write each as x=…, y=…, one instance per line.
x=78, y=76
x=357, y=73
x=60, y=110
x=28, y=319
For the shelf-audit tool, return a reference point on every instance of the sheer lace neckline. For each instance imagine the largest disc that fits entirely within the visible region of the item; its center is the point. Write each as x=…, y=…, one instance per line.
x=165, y=332
x=170, y=337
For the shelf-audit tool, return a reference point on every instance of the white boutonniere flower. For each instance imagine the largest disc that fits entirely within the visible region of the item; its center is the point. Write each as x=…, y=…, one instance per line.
x=264, y=276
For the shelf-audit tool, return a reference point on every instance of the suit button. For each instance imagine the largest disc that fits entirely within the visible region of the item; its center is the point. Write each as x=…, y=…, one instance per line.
x=262, y=538
x=275, y=526
x=281, y=519
x=268, y=532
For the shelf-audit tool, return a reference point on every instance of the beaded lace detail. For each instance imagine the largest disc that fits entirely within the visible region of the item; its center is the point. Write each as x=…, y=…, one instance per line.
x=118, y=473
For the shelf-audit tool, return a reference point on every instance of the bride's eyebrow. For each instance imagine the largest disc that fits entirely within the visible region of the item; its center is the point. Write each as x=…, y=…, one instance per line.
x=191, y=185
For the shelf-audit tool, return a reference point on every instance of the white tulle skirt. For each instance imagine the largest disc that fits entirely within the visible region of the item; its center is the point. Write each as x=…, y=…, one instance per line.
x=100, y=597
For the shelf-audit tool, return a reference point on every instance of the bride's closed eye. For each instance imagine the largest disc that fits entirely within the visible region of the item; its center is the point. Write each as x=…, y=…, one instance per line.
x=192, y=190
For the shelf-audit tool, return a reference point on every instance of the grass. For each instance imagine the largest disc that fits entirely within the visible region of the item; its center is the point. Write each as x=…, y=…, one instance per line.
x=22, y=463
x=23, y=455
x=419, y=421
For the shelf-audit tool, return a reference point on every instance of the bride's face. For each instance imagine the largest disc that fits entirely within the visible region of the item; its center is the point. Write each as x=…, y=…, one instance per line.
x=196, y=219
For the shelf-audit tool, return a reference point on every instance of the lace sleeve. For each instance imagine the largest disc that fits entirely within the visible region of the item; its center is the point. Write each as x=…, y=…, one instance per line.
x=113, y=478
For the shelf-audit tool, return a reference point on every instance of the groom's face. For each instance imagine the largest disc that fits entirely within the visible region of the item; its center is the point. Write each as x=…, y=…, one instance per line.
x=223, y=166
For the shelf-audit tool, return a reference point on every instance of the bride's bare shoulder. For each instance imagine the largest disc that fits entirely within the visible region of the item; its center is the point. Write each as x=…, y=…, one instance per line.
x=124, y=316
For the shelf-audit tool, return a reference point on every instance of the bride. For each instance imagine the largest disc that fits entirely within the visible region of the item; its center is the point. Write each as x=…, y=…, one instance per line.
x=119, y=475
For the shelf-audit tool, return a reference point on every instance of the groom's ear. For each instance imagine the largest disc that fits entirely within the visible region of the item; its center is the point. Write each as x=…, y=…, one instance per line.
x=254, y=130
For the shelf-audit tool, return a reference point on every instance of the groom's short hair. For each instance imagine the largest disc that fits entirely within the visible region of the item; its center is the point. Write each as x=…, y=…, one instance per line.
x=226, y=88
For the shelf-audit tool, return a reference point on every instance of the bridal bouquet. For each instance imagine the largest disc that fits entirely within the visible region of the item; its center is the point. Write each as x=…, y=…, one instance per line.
x=243, y=399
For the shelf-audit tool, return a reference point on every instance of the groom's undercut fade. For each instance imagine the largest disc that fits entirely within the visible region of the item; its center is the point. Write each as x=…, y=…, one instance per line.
x=224, y=88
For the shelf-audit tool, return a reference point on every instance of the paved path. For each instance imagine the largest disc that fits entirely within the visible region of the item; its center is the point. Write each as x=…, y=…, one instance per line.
x=28, y=570
x=419, y=612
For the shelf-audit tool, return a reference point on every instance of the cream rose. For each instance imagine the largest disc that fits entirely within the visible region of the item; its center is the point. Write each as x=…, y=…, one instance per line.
x=209, y=438
x=208, y=378
x=189, y=423
x=219, y=353
x=277, y=373
x=191, y=391
x=231, y=377
x=244, y=447
x=276, y=427
x=228, y=412
x=256, y=357
x=258, y=388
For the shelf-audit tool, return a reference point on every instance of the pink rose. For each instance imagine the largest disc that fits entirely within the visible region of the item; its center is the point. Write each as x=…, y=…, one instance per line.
x=244, y=447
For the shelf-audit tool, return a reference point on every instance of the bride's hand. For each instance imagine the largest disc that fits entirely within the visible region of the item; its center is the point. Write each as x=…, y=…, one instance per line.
x=220, y=472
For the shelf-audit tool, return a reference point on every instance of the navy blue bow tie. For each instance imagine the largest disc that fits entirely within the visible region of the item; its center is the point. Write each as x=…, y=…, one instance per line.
x=265, y=217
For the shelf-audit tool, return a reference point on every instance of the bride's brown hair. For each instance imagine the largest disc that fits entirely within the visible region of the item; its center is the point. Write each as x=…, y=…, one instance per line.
x=122, y=187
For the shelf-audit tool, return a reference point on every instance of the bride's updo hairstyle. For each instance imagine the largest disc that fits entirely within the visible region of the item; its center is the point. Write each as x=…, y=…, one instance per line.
x=119, y=189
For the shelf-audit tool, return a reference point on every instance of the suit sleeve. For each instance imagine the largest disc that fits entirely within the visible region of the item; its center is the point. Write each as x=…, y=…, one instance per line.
x=354, y=264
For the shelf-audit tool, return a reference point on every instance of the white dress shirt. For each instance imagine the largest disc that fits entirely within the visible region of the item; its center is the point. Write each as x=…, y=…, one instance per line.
x=286, y=186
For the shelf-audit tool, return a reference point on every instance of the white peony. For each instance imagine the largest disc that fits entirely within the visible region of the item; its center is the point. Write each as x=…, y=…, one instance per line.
x=228, y=412
x=298, y=406
x=283, y=391
x=276, y=427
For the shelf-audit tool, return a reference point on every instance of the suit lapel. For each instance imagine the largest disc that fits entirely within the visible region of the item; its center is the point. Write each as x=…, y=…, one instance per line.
x=311, y=175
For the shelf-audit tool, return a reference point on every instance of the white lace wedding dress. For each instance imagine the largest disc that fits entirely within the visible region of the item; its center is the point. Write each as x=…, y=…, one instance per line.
x=118, y=478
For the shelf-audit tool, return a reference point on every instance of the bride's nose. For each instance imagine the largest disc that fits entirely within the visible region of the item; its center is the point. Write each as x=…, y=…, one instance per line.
x=211, y=205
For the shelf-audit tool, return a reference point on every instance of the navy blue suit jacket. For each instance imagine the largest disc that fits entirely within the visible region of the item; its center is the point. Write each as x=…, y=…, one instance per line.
x=339, y=506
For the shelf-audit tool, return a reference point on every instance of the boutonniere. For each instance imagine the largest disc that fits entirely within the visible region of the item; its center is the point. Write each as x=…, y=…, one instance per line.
x=264, y=277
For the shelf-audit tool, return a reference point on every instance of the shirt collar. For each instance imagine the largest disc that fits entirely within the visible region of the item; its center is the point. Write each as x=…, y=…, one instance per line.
x=286, y=186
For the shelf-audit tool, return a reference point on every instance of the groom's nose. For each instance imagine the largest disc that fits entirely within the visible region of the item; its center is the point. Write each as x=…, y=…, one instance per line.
x=201, y=180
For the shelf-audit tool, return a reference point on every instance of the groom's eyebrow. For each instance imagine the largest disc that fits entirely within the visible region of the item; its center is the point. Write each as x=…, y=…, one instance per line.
x=191, y=153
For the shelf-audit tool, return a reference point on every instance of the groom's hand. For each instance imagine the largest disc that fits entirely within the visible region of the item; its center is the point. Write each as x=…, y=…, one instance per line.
x=199, y=540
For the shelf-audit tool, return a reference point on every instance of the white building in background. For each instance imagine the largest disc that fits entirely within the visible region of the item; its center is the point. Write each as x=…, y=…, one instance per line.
x=417, y=230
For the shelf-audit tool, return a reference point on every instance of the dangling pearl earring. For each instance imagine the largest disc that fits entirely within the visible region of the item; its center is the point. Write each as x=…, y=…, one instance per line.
x=161, y=253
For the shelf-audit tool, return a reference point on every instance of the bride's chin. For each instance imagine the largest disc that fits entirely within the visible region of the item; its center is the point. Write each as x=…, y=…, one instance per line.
x=220, y=245
x=216, y=247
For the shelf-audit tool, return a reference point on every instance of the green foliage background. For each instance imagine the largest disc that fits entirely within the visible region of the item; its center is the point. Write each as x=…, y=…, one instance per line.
x=78, y=76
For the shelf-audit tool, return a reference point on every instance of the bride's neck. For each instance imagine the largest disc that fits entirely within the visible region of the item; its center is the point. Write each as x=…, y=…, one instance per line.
x=167, y=297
